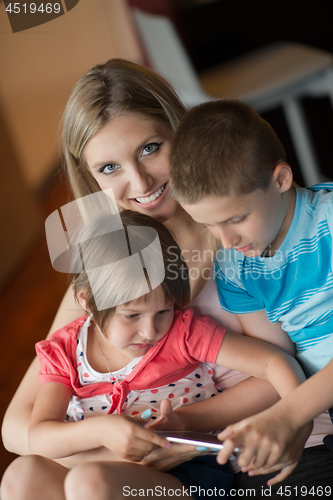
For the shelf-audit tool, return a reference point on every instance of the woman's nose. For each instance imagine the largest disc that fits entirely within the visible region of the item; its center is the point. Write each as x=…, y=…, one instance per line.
x=141, y=181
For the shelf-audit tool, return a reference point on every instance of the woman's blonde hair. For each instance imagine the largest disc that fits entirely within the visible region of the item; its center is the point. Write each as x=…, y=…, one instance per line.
x=108, y=90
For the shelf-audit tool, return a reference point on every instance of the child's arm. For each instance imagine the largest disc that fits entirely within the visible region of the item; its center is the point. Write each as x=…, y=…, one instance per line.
x=254, y=435
x=257, y=325
x=285, y=427
x=50, y=436
x=262, y=360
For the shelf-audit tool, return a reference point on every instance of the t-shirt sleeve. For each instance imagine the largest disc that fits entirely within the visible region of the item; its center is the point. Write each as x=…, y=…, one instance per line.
x=54, y=363
x=202, y=337
x=232, y=293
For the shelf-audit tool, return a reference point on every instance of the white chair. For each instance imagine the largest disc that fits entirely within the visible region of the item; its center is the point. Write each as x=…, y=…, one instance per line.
x=277, y=75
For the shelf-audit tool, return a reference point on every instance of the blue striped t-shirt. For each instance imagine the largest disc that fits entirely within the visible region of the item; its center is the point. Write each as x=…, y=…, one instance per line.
x=295, y=286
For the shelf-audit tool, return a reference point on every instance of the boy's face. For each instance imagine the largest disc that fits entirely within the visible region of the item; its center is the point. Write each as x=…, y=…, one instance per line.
x=249, y=223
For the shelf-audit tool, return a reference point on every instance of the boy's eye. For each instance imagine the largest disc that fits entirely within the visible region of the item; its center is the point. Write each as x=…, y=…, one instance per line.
x=131, y=316
x=108, y=169
x=238, y=221
x=151, y=148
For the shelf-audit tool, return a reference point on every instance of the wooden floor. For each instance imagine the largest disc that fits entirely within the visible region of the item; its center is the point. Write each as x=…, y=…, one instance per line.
x=27, y=307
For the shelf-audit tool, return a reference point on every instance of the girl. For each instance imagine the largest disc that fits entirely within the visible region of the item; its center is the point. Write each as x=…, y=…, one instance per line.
x=118, y=126
x=123, y=360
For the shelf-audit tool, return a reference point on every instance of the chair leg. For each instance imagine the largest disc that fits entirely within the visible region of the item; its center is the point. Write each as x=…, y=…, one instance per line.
x=329, y=80
x=302, y=142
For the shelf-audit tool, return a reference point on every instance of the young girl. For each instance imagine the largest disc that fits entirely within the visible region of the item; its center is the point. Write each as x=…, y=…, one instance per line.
x=124, y=360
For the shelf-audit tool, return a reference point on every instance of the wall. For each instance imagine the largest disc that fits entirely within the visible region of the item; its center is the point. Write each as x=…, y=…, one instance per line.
x=39, y=66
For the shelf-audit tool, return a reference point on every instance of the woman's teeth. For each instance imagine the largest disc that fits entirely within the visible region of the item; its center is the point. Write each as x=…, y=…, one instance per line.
x=152, y=197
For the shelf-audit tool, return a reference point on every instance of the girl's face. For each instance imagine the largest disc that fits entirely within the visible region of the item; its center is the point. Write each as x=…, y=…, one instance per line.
x=130, y=154
x=135, y=327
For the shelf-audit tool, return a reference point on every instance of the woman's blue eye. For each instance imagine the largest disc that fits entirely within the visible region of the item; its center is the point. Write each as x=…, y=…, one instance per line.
x=151, y=148
x=108, y=169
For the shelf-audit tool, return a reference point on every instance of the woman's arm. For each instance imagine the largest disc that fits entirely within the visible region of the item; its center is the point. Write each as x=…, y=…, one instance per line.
x=16, y=421
x=246, y=398
x=52, y=437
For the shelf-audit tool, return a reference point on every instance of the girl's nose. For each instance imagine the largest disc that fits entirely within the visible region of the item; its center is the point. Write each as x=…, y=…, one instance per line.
x=148, y=330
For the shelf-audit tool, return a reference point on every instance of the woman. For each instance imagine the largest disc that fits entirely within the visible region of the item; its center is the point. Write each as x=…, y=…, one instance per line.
x=118, y=127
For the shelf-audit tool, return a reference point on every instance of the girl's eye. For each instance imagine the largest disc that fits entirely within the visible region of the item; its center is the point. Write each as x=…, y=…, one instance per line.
x=148, y=149
x=165, y=311
x=108, y=169
x=131, y=316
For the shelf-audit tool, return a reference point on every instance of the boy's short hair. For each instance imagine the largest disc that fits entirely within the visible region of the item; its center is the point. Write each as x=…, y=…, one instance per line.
x=222, y=147
x=101, y=247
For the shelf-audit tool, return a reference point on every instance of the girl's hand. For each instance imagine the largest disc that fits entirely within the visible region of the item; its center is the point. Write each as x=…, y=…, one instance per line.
x=169, y=419
x=127, y=438
x=268, y=441
x=166, y=459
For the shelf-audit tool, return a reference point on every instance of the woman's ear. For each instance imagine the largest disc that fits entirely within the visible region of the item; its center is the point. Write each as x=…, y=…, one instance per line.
x=81, y=297
x=283, y=176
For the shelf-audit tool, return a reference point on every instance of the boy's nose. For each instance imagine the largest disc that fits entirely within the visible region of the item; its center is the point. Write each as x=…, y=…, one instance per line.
x=228, y=238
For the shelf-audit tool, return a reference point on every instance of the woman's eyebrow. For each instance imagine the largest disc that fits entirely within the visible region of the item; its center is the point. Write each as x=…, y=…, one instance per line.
x=148, y=140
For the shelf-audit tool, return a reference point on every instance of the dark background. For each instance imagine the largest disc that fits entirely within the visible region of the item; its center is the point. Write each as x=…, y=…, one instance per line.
x=218, y=30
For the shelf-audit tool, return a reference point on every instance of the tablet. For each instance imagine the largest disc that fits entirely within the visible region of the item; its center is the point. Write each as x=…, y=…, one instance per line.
x=193, y=438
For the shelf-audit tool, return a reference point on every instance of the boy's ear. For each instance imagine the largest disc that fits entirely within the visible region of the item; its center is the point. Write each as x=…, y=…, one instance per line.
x=82, y=299
x=283, y=176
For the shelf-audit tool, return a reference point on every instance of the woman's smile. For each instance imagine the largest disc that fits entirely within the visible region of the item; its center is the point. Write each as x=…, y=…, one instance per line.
x=130, y=154
x=152, y=197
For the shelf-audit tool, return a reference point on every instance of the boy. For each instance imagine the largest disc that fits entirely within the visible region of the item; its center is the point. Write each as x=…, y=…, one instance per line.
x=229, y=172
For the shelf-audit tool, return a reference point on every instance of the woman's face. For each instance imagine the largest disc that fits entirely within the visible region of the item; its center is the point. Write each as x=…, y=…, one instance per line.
x=130, y=154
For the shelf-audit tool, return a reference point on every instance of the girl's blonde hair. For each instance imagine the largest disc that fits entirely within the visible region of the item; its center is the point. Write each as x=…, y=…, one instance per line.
x=108, y=90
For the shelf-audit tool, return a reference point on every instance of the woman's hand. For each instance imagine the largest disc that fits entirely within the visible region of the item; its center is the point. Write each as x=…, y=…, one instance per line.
x=269, y=441
x=163, y=459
